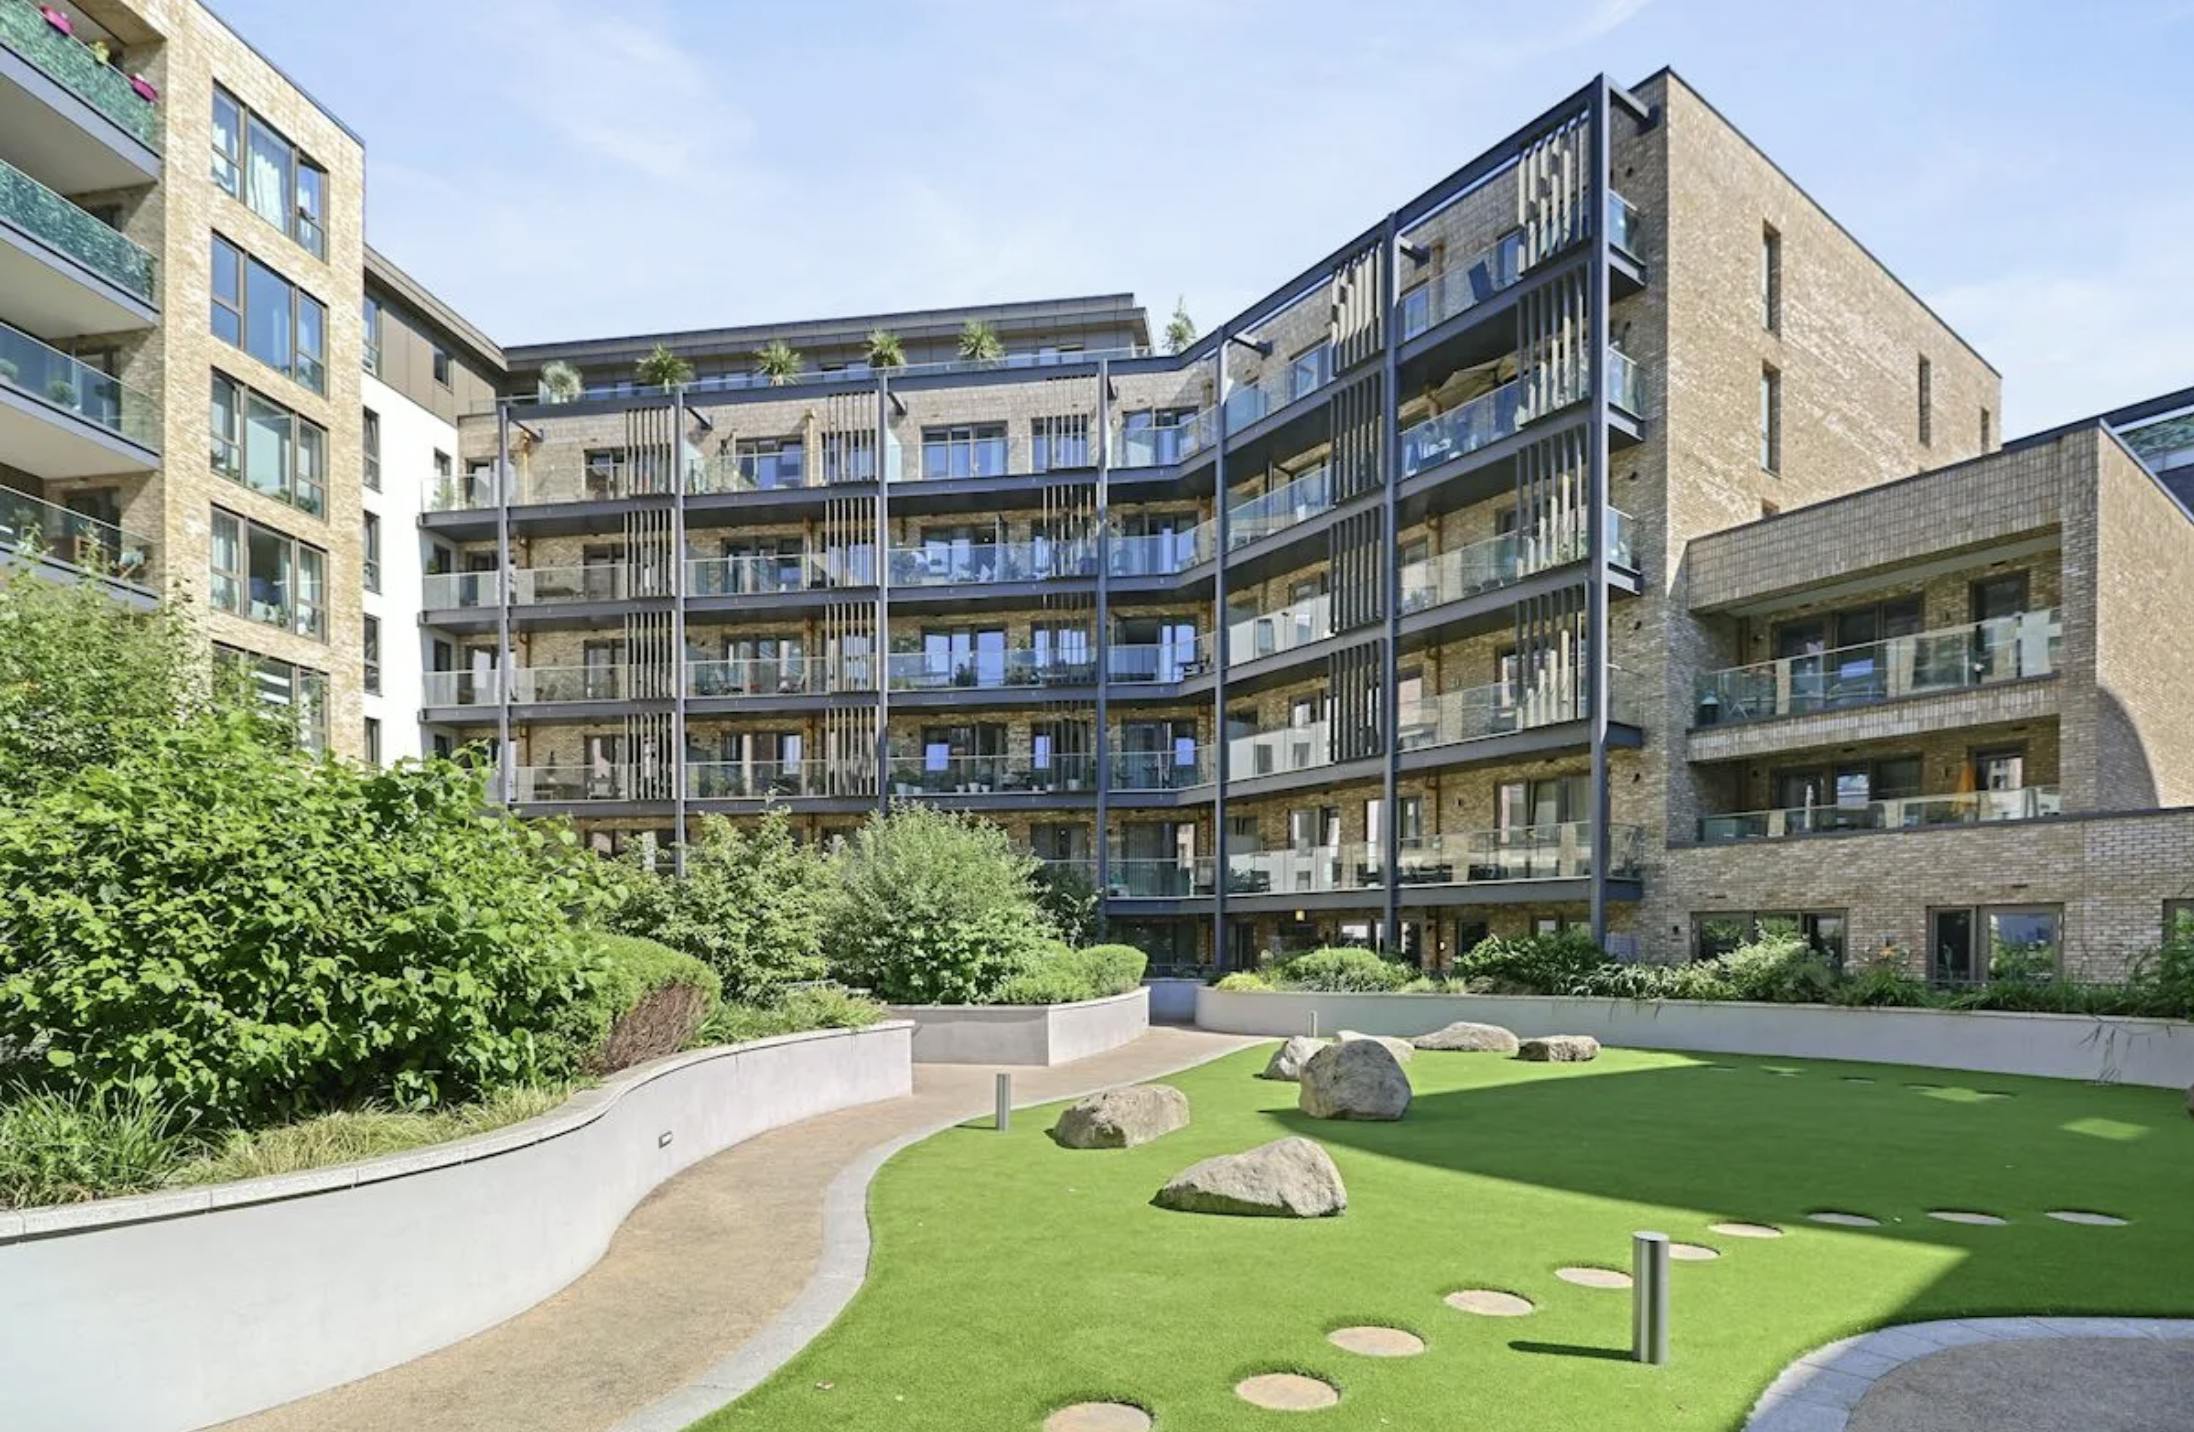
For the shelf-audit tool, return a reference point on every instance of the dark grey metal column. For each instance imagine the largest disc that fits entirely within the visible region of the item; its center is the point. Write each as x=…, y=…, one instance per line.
x=1218, y=653
x=1390, y=587
x=506, y=770
x=1103, y=638
x=678, y=626
x=880, y=659
x=1596, y=657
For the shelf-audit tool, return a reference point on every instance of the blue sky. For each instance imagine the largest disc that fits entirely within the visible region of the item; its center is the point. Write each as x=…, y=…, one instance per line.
x=558, y=170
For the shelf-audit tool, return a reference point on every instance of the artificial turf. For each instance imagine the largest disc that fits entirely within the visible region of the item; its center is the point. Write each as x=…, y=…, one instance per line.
x=1011, y=1276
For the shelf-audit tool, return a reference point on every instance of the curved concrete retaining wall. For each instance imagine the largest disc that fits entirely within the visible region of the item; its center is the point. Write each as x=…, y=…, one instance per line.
x=176, y=1310
x=2159, y=1052
x=1025, y=1033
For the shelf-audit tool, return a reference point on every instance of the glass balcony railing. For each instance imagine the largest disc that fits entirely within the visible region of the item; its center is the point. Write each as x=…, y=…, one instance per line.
x=1158, y=554
x=1622, y=223
x=1165, y=445
x=1624, y=387
x=1292, y=626
x=54, y=377
x=67, y=229
x=1158, y=662
x=555, y=685
x=1469, y=713
x=921, y=774
x=1285, y=383
x=1956, y=658
x=461, y=492
x=1273, y=753
x=1182, y=769
x=1509, y=558
x=780, y=572
x=599, y=582
x=70, y=63
x=1539, y=852
x=442, y=591
x=1481, y=421
x=775, y=780
x=1905, y=813
x=975, y=564
x=1014, y=667
x=791, y=675
x=752, y=472
x=586, y=782
x=1304, y=872
x=34, y=528
x=1461, y=287
x=1172, y=878
x=1300, y=500
x=460, y=688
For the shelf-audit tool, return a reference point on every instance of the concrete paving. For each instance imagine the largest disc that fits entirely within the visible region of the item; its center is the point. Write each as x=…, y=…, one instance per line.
x=715, y=1279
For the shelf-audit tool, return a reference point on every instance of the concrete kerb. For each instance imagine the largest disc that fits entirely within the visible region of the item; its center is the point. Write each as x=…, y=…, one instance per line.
x=838, y=1275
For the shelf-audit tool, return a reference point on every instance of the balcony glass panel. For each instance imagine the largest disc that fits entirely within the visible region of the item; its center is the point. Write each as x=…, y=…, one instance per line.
x=957, y=564
x=919, y=773
x=1624, y=388
x=547, y=586
x=1500, y=561
x=53, y=377
x=460, y=688
x=1149, y=662
x=1011, y=667
x=1292, y=626
x=1159, y=554
x=443, y=590
x=1461, y=287
x=1298, y=501
x=775, y=572
x=70, y=63
x=1622, y=223
x=1469, y=713
x=461, y=492
x=760, y=676
x=1909, y=813
x=1953, y=659
x=31, y=526
x=1176, y=770
x=1164, y=445
x=1469, y=426
x=577, y=782
x=1303, y=872
x=550, y=685
x=767, y=780
x=1144, y=879
x=62, y=226
x=1272, y=753
x=1538, y=852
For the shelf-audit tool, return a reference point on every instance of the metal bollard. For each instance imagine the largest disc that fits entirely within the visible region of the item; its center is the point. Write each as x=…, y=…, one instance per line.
x=1005, y=1102
x=1649, y=1298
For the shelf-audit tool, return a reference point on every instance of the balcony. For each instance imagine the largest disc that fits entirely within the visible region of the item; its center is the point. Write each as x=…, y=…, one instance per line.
x=562, y=685
x=462, y=492
x=460, y=688
x=1163, y=446
x=35, y=531
x=791, y=675
x=919, y=773
x=1287, y=383
x=1281, y=752
x=113, y=276
x=1478, y=857
x=1297, y=625
x=776, y=780
x=1158, y=554
x=451, y=591
x=1500, y=709
x=1154, y=663
x=960, y=564
x=60, y=418
x=1465, y=428
x=1013, y=668
x=1175, y=878
x=1906, y=813
x=1507, y=559
x=585, y=782
x=1984, y=653
x=1460, y=287
x=1301, y=499
x=1622, y=223
x=1146, y=771
x=70, y=63
x=595, y=582
x=780, y=573
x=750, y=472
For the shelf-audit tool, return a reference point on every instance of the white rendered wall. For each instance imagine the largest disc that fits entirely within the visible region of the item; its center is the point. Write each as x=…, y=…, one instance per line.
x=410, y=436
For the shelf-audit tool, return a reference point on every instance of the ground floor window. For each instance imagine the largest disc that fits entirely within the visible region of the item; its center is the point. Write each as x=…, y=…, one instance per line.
x=1716, y=934
x=281, y=686
x=2179, y=919
x=1972, y=945
x=1171, y=945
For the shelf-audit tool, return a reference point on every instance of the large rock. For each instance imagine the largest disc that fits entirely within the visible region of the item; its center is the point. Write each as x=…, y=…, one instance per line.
x=1288, y=1178
x=1355, y=1079
x=1288, y=1060
x=1464, y=1037
x=1122, y=1118
x=1399, y=1048
x=1559, y=1049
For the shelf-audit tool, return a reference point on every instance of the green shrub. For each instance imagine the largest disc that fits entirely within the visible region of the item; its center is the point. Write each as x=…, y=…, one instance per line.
x=1701, y=980
x=1778, y=968
x=1531, y=964
x=752, y=905
x=1343, y=969
x=1881, y=981
x=92, y=1143
x=1244, y=980
x=643, y=1000
x=227, y=928
x=1068, y=899
x=791, y=1011
x=1060, y=975
x=933, y=907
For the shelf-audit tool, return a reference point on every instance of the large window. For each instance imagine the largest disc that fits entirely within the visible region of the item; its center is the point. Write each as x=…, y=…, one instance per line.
x=268, y=577
x=268, y=448
x=771, y=462
x=371, y=655
x=1771, y=419
x=964, y=450
x=1973, y=945
x=1771, y=279
x=262, y=313
x=257, y=163
x=286, y=687
x=1719, y=933
x=369, y=318
x=1926, y=385
x=370, y=551
x=1059, y=442
x=370, y=434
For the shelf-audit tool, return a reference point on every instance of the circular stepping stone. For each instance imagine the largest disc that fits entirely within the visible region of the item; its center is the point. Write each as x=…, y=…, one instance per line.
x=1693, y=1253
x=1099, y=1417
x=1488, y=1303
x=1844, y=1220
x=1371, y=1340
x=2083, y=1216
x=1746, y=1230
x=1966, y=1215
x=1585, y=1277
x=1286, y=1392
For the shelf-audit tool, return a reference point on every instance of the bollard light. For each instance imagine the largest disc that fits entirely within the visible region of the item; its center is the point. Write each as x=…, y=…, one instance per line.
x=1649, y=1298
x=1005, y=1102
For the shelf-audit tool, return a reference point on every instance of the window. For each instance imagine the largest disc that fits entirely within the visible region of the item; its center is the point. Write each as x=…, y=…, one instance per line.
x=371, y=441
x=373, y=741
x=441, y=365
x=964, y=450
x=1308, y=370
x=256, y=162
x=268, y=577
x=771, y=462
x=266, y=447
x=370, y=551
x=2179, y=919
x=259, y=311
x=1987, y=425
x=285, y=687
x=369, y=318
x=371, y=649
x=1927, y=402
x=1717, y=934
x=228, y=129
x=1994, y=942
x=309, y=224
x=1416, y=307
x=1771, y=279
x=1059, y=442
x=1771, y=419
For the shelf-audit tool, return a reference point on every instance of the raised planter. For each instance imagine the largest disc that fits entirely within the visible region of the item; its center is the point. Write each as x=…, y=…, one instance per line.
x=176, y=1310
x=1173, y=998
x=2157, y=1052
x=1025, y=1033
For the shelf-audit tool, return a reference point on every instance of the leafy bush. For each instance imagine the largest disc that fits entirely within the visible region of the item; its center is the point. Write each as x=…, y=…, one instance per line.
x=1778, y=968
x=1061, y=975
x=1343, y=969
x=1703, y=980
x=91, y=1143
x=220, y=925
x=1245, y=980
x=1881, y=981
x=790, y=1011
x=1068, y=898
x=933, y=907
x=753, y=905
x=643, y=1000
x=1531, y=964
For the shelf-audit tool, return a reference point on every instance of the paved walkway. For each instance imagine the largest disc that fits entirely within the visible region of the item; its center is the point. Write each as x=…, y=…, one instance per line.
x=722, y=1259
x=2039, y=1374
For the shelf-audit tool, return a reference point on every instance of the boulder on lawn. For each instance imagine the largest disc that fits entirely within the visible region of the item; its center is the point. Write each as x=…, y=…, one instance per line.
x=1559, y=1049
x=1288, y=1060
x=1288, y=1178
x=1122, y=1118
x=1399, y=1048
x=1466, y=1038
x=1355, y=1079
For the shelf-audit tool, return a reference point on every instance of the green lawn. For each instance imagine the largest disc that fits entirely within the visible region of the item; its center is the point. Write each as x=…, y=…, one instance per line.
x=1012, y=1276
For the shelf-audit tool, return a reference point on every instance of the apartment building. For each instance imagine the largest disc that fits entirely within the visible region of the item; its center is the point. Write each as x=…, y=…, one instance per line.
x=1602, y=537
